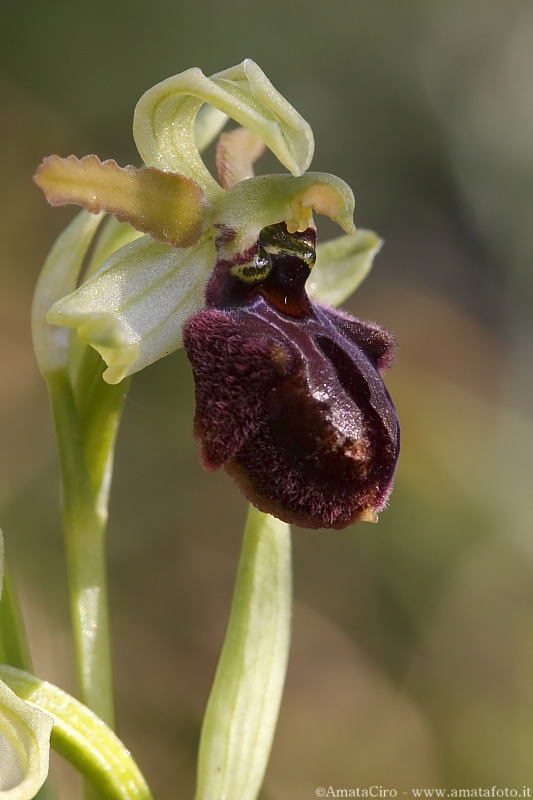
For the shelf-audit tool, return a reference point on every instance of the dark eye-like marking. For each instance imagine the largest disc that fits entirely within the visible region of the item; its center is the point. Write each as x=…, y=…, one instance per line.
x=289, y=396
x=253, y=271
x=274, y=244
x=276, y=241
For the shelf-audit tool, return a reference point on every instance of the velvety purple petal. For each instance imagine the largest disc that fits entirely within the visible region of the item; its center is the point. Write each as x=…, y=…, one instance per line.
x=290, y=400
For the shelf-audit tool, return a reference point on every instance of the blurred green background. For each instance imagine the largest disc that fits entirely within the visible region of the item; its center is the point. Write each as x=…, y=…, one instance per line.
x=412, y=662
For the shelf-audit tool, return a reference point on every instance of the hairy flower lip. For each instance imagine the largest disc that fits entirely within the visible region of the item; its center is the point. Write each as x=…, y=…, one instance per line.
x=269, y=457
x=289, y=400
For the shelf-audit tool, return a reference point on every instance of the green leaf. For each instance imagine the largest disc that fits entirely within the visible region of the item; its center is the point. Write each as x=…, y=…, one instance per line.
x=243, y=706
x=81, y=737
x=13, y=642
x=24, y=746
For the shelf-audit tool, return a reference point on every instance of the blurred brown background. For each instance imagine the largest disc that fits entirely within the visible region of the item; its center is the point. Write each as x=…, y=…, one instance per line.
x=412, y=662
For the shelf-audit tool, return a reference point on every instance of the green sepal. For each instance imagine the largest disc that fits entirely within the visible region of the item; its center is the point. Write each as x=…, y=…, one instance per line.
x=342, y=265
x=132, y=309
x=164, y=121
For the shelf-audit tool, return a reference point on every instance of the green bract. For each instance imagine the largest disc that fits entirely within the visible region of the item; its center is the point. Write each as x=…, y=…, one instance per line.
x=132, y=309
x=24, y=739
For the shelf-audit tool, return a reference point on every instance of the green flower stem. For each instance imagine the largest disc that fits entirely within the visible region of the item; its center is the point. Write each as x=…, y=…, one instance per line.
x=82, y=738
x=99, y=406
x=243, y=706
x=86, y=416
x=84, y=522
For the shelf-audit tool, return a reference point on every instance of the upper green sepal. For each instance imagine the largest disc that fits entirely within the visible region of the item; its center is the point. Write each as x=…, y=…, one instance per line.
x=164, y=121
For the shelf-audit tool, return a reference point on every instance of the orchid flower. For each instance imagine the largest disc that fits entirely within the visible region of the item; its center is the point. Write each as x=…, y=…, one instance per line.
x=289, y=396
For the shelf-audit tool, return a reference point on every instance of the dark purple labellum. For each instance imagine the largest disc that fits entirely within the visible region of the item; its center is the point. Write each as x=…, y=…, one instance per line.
x=289, y=399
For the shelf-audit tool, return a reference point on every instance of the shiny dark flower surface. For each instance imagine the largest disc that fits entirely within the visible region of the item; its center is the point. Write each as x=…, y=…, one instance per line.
x=289, y=396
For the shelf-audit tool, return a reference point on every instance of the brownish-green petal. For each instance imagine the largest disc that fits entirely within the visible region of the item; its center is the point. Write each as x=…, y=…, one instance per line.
x=170, y=207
